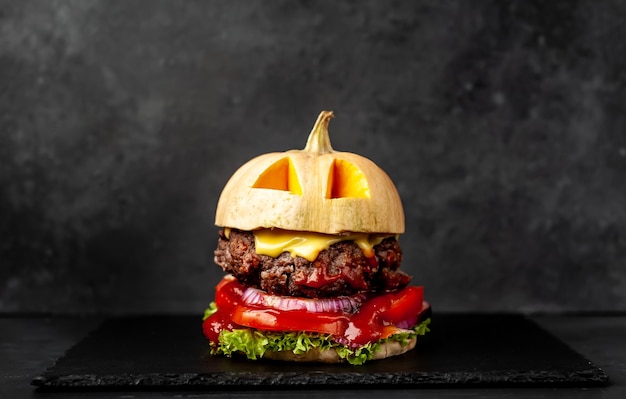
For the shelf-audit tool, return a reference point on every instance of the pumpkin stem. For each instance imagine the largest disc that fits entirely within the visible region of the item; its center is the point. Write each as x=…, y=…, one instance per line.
x=319, y=141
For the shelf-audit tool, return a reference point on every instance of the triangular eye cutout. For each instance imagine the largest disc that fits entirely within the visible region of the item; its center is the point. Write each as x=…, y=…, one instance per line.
x=346, y=181
x=281, y=175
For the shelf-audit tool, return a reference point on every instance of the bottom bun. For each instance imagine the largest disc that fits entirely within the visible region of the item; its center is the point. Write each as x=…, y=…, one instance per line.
x=385, y=350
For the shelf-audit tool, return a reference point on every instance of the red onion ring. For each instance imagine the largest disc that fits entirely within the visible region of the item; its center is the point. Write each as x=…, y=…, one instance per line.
x=343, y=304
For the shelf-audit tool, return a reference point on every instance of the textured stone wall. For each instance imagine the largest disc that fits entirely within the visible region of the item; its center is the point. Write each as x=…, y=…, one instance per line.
x=502, y=124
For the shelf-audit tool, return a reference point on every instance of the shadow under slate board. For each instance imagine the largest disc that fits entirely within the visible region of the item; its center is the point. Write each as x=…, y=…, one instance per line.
x=170, y=352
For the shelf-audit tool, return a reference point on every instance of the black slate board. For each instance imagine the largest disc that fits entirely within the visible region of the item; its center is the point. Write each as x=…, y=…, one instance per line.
x=170, y=352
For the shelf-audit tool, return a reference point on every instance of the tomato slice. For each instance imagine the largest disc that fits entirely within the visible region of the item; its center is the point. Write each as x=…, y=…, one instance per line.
x=394, y=307
x=289, y=320
x=377, y=317
x=404, y=305
x=373, y=321
x=228, y=292
x=215, y=324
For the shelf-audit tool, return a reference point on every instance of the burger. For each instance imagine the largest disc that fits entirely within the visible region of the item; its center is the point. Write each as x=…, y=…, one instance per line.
x=308, y=240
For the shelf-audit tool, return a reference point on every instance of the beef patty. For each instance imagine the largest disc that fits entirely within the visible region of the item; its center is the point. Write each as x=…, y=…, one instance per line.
x=342, y=269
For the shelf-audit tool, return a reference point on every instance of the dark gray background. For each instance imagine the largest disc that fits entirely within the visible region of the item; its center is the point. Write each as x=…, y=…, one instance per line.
x=501, y=122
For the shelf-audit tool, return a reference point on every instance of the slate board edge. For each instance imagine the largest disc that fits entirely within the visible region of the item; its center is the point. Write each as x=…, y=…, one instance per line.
x=594, y=376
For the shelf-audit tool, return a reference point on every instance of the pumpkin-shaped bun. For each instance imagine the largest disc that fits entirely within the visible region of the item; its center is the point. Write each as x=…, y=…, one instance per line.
x=315, y=189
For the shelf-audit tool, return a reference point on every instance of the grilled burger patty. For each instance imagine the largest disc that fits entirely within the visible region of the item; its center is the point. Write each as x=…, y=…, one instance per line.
x=342, y=269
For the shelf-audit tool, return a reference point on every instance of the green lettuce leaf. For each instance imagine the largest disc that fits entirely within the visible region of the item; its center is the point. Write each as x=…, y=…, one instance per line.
x=210, y=310
x=254, y=343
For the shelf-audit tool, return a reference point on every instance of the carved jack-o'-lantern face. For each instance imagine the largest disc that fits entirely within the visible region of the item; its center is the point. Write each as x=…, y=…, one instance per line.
x=315, y=189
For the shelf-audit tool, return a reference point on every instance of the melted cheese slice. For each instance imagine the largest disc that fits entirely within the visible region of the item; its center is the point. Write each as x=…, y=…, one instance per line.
x=273, y=242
